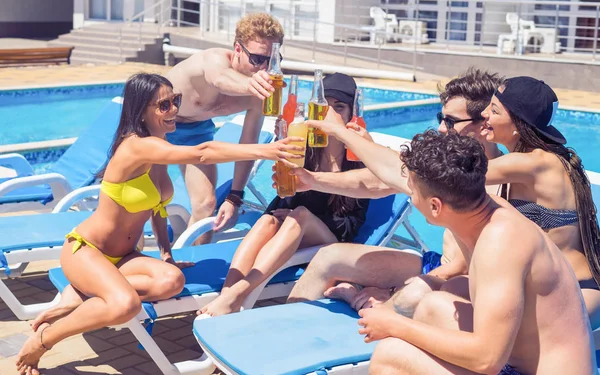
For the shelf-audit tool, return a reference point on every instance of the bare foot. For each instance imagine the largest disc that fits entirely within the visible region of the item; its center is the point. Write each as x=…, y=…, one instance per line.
x=31, y=352
x=69, y=300
x=225, y=303
x=343, y=291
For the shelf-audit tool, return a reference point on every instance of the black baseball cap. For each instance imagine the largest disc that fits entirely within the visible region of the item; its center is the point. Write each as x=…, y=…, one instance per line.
x=341, y=87
x=534, y=102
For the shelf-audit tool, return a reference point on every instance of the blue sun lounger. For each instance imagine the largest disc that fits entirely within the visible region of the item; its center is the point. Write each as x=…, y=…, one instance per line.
x=76, y=168
x=317, y=337
x=35, y=237
x=205, y=279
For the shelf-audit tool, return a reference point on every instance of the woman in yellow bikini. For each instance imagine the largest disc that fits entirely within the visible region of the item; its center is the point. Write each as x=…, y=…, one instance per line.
x=109, y=279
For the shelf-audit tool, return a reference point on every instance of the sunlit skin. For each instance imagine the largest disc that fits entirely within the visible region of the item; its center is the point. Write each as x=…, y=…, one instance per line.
x=220, y=82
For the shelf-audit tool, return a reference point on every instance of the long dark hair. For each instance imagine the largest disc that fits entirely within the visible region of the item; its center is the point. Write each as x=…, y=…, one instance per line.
x=138, y=93
x=340, y=204
x=586, y=210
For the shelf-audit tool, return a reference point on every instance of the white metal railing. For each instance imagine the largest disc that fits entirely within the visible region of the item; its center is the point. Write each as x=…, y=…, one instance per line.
x=542, y=29
x=156, y=12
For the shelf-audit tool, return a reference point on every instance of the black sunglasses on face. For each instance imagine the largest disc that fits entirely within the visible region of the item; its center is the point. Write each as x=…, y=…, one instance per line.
x=257, y=60
x=450, y=122
x=165, y=105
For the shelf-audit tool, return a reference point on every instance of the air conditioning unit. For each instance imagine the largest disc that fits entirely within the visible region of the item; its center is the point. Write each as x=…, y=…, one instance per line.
x=413, y=32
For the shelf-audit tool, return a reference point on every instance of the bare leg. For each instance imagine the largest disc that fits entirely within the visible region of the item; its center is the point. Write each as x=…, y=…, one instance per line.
x=273, y=255
x=445, y=310
x=113, y=295
x=442, y=309
x=396, y=356
x=153, y=279
x=69, y=300
x=200, y=182
x=405, y=300
x=114, y=301
x=360, y=264
x=344, y=291
x=243, y=260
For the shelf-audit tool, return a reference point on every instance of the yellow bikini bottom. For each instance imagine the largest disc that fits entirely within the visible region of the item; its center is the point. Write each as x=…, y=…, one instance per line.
x=80, y=241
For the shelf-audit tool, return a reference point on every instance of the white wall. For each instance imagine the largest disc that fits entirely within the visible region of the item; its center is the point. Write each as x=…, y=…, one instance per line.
x=36, y=11
x=353, y=13
x=494, y=21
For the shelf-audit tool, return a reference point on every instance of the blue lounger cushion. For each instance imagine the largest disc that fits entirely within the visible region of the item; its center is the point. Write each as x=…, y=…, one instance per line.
x=208, y=275
x=82, y=161
x=41, y=230
x=382, y=214
x=231, y=133
x=298, y=338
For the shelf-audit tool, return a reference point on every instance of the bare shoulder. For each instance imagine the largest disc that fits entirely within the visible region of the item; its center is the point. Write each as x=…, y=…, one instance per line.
x=136, y=146
x=508, y=236
x=216, y=53
x=189, y=68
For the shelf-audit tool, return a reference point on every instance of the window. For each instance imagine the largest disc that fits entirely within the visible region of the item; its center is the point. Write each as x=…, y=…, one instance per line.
x=457, y=26
x=430, y=19
x=551, y=7
x=549, y=21
x=586, y=32
x=478, y=18
x=588, y=7
x=459, y=4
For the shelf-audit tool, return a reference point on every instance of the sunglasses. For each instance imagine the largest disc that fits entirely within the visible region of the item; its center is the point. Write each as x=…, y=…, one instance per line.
x=450, y=122
x=165, y=105
x=257, y=60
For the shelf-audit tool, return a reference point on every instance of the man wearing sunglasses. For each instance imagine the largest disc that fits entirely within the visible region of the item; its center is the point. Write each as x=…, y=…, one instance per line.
x=463, y=100
x=220, y=82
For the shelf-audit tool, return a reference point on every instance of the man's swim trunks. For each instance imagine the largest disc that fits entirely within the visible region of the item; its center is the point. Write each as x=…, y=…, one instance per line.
x=508, y=370
x=192, y=133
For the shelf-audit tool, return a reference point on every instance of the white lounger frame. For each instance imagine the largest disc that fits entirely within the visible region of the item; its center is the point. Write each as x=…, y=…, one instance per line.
x=178, y=216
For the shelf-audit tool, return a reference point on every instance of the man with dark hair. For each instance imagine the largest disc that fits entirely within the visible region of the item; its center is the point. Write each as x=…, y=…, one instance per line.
x=525, y=314
x=463, y=99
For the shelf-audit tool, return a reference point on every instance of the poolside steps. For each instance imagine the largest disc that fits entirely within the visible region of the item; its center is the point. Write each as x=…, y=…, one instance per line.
x=113, y=43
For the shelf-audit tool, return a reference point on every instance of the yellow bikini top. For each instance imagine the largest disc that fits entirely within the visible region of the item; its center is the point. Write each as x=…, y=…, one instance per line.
x=136, y=195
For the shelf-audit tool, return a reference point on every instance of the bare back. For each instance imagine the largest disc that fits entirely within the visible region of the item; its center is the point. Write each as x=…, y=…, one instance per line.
x=551, y=187
x=554, y=335
x=201, y=100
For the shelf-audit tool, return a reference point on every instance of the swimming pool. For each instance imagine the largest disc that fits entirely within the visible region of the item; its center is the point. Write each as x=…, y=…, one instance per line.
x=32, y=115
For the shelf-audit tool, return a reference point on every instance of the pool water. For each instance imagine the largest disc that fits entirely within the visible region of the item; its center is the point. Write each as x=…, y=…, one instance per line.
x=33, y=115
x=53, y=113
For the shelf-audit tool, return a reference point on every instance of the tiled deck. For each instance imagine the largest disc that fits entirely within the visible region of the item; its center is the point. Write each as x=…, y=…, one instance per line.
x=110, y=351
